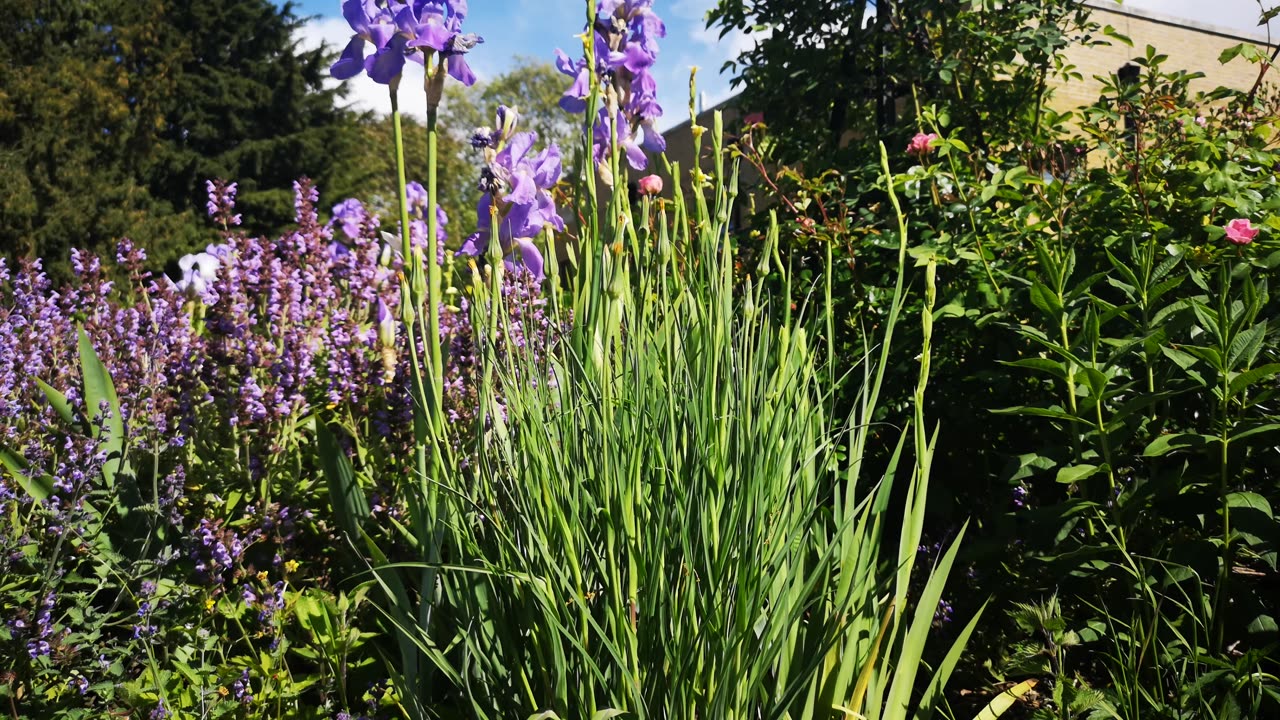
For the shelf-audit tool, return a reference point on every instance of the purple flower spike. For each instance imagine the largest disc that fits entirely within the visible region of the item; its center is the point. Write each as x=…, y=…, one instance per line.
x=352, y=217
x=416, y=196
x=222, y=202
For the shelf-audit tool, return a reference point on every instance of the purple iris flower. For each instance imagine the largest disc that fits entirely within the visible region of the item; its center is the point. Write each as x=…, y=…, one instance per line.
x=437, y=25
x=626, y=46
x=400, y=31
x=520, y=182
x=373, y=23
x=608, y=61
x=603, y=140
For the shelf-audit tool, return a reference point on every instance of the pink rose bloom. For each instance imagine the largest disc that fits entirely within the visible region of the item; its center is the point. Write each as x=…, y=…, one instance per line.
x=1201, y=121
x=1240, y=232
x=920, y=143
x=754, y=118
x=650, y=185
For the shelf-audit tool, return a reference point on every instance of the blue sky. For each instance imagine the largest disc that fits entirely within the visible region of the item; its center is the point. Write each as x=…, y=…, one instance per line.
x=536, y=28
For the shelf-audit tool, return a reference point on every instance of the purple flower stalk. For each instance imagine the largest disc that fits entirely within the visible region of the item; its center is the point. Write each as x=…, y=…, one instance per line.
x=352, y=217
x=222, y=202
x=626, y=37
x=416, y=196
x=517, y=184
x=1020, y=496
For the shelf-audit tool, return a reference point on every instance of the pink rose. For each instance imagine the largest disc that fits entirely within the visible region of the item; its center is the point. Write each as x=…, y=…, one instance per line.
x=1201, y=121
x=650, y=185
x=920, y=143
x=754, y=118
x=1240, y=232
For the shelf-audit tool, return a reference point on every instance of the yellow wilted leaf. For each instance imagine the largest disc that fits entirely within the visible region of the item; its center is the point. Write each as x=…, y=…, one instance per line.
x=1005, y=700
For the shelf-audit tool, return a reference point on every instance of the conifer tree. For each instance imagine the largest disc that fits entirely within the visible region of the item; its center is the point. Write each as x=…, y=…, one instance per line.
x=113, y=113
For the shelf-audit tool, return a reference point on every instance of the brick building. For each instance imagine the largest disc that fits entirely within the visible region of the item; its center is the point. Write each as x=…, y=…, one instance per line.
x=1190, y=45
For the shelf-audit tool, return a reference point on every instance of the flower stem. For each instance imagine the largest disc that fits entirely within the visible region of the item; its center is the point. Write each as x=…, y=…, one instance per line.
x=410, y=302
x=433, y=278
x=406, y=244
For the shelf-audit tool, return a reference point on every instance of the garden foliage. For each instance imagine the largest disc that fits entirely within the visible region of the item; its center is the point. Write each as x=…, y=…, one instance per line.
x=1106, y=358
x=613, y=457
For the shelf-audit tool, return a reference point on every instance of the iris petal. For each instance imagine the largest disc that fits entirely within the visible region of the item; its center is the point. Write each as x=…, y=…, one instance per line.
x=351, y=63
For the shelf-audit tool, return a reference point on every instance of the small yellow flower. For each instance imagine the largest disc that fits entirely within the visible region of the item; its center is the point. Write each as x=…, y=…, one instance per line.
x=223, y=691
x=262, y=576
x=208, y=604
x=291, y=566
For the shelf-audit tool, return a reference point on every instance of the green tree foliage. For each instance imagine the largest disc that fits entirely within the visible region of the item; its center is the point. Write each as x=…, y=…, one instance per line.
x=249, y=105
x=828, y=73
x=114, y=112
x=70, y=113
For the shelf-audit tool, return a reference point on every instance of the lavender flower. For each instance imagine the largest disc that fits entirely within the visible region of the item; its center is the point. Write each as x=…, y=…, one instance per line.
x=222, y=202
x=217, y=550
x=416, y=197
x=1020, y=496
x=351, y=215
x=944, y=613
x=242, y=690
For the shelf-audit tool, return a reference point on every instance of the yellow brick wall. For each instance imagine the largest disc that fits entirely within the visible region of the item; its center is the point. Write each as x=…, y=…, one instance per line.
x=1189, y=46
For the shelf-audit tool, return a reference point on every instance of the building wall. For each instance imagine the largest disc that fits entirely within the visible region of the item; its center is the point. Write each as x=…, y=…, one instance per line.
x=1190, y=46
x=680, y=149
